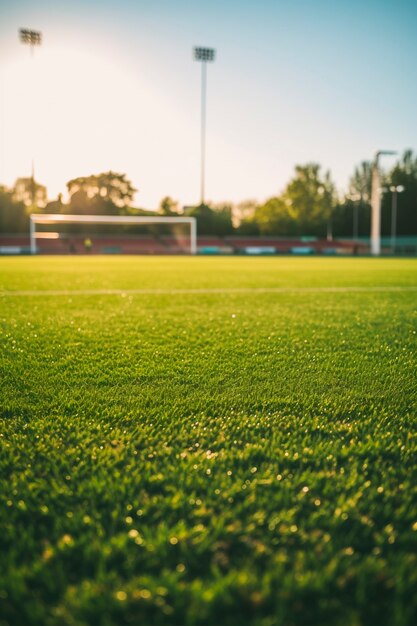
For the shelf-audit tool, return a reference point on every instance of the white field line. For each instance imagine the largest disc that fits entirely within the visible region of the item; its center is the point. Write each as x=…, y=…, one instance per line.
x=208, y=290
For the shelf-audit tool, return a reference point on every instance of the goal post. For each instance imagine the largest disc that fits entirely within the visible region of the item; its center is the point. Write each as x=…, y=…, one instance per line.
x=39, y=218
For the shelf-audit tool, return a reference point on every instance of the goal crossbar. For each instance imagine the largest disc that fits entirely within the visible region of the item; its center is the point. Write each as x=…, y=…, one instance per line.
x=109, y=219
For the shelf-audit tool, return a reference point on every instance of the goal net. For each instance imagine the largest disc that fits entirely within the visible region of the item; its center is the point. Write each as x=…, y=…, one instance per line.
x=103, y=234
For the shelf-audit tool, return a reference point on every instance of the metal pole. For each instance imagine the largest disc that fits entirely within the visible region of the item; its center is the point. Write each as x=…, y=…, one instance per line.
x=204, y=55
x=376, y=210
x=203, y=127
x=32, y=228
x=393, y=220
x=193, y=235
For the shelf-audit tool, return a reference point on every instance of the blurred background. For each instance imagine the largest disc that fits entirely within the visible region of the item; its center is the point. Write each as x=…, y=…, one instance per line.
x=298, y=99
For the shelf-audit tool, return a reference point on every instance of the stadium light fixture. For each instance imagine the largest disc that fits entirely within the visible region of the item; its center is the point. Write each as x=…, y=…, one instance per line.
x=31, y=38
x=205, y=55
x=376, y=203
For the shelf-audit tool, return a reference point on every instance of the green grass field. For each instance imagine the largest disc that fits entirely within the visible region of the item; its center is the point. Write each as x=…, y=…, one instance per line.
x=211, y=441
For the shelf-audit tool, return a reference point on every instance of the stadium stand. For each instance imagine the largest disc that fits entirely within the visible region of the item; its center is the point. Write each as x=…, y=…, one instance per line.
x=168, y=244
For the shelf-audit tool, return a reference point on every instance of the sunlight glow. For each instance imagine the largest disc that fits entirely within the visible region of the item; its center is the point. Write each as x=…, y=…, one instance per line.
x=69, y=111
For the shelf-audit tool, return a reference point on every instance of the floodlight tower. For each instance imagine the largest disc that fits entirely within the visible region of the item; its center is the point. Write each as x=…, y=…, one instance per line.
x=376, y=204
x=204, y=55
x=31, y=38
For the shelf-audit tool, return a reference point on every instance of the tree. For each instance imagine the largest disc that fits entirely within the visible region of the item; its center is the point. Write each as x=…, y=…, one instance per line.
x=360, y=183
x=55, y=206
x=304, y=208
x=248, y=227
x=31, y=193
x=108, y=191
x=213, y=221
x=345, y=213
x=223, y=220
x=353, y=213
x=273, y=218
x=310, y=198
x=168, y=207
x=80, y=203
x=243, y=212
x=13, y=214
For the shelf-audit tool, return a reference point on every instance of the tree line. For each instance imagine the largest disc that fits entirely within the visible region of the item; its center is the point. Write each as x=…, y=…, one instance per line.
x=308, y=205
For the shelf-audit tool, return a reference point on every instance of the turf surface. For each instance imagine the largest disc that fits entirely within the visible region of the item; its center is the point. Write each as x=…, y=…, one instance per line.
x=208, y=441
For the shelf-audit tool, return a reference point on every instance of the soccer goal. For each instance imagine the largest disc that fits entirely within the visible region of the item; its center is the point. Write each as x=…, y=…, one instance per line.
x=58, y=219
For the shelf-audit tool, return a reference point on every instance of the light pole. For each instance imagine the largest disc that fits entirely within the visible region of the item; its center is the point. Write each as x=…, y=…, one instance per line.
x=394, y=189
x=31, y=38
x=376, y=204
x=204, y=55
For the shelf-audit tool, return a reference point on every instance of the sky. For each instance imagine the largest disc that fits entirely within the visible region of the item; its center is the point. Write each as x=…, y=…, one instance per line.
x=114, y=87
